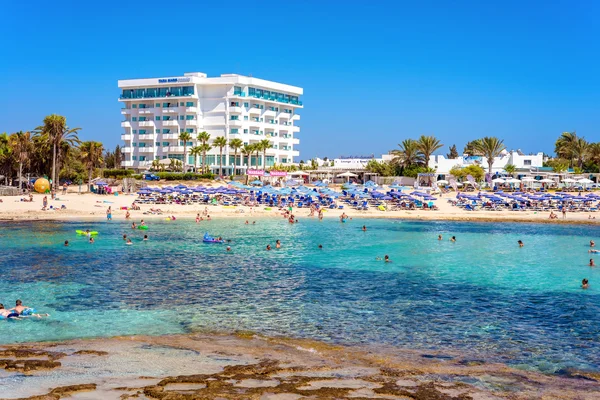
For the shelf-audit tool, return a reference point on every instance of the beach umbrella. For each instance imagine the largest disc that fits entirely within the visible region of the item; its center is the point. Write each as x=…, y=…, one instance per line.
x=585, y=181
x=180, y=186
x=568, y=180
x=546, y=180
x=528, y=179
x=256, y=182
x=498, y=180
x=442, y=182
x=100, y=183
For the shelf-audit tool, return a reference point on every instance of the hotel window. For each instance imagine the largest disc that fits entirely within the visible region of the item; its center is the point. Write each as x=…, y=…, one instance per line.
x=189, y=104
x=527, y=162
x=246, y=105
x=166, y=131
x=190, y=130
x=141, y=144
x=234, y=118
x=157, y=104
x=166, y=118
x=158, y=118
x=245, y=130
x=142, y=131
x=134, y=106
x=142, y=119
x=234, y=131
x=142, y=158
x=284, y=160
x=157, y=144
x=134, y=144
x=251, y=91
x=165, y=144
x=164, y=157
x=245, y=118
x=181, y=104
x=157, y=157
x=188, y=143
x=134, y=118
x=181, y=117
x=189, y=117
x=134, y=131
x=134, y=158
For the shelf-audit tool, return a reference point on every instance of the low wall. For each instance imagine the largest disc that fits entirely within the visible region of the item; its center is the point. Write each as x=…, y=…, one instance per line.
x=9, y=191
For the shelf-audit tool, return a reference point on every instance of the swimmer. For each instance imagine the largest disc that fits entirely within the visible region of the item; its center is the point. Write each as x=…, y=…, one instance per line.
x=520, y=243
x=592, y=263
x=246, y=222
x=439, y=237
x=197, y=217
x=20, y=308
x=228, y=248
x=268, y=247
x=173, y=218
x=127, y=215
x=128, y=242
x=91, y=240
x=207, y=218
x=593, y=251
x=66, y=243
x=87, y=233
x=219, y=238
x=133, y=225
x=387, y=258
x=278, y=244
x=8, y=313
x=364, y=228
x=320, y=246
x=142, y=223
x=453, y=239
x=585, y=284
x=124, y=237
x=145, y=237
x=592, y=244
x=253, y=222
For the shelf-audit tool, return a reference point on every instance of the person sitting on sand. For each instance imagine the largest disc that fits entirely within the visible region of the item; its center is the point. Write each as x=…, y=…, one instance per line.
x=585, y=284
x=592, y=263
x=520, y=242
x=552, y=215
x=590, y=217
x=8, y=313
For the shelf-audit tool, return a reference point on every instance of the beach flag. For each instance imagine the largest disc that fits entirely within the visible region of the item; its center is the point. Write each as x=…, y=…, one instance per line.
x=452, y=183
x=471, y=179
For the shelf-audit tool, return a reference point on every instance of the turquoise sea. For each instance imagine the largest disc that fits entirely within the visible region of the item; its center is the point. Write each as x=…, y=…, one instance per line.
x=482, y=296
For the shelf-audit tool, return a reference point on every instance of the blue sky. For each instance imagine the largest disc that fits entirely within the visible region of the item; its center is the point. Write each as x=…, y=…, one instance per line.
x=374, y=73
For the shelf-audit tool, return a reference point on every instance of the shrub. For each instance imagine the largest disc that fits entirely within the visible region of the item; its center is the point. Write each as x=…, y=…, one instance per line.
x=117, y=173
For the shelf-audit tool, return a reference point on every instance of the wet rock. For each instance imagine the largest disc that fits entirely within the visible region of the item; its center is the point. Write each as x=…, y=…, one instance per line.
x=28, y=365
x=63, y=391
x=30, y=353
x=90, y=352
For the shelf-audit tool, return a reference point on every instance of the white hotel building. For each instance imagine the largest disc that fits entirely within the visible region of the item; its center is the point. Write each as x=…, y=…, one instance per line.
x=157, y=110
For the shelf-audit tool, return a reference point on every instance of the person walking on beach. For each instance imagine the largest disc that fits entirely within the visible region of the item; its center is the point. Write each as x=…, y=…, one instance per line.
x=564, y=212
x=127, y=215
x=45, y=203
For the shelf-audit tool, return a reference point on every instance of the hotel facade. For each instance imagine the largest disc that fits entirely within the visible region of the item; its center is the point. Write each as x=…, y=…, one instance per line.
x=157, y=110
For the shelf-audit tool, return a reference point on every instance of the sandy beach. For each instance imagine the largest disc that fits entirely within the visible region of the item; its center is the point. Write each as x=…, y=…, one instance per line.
x=92, y=206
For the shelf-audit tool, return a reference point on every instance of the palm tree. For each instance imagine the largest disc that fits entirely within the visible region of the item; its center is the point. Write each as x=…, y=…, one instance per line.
x=471, y=148
x=204, y=148
x=91, y=156
x=264, y=145
x=195, y=151
x=594, y=153
x=490, y=148
x=247, y=151
x=407, y=155
x=185, y=137
x=564, y=146
x=204, y=137
x=428, y=145
x=510, y=169
x=580, y=149
x=6, y=157
x=220, y=142
x=235, y=144
x=257, y=149
x=175, y=164
x=156, y=165
x=20, y=143
x=55, y=131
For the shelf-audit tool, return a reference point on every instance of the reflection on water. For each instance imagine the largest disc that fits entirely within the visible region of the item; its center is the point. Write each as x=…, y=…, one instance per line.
x=482, y=295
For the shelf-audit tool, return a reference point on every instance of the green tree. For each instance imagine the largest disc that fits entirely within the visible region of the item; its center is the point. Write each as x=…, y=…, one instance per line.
x=91, y=156
x=580, y=149
x=55, y=131
x=220, y=142
x=563, y=147
x=471, y=148
x=474, y=170
x=203, y=138
x=185, y=137
x=6, y=157
x=510, y=169
x=264, y=145
x=195, y=152
x=20, y=142
x=236, y=145
x=428, y=145
x=407, y=155
x=381, y=168
x=489, y=147
x=453, y=152
x=247, y=151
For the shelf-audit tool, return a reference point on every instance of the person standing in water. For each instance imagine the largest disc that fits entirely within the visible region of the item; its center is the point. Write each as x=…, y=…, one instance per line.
x=109, y=214
x=520, y=242
x=585, y=284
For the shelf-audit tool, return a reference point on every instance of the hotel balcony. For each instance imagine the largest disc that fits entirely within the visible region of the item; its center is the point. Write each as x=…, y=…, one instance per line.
x=295, y=141
x=170, y=135
x=126, y=111
x=191, y=109
x=170, y=110
x=126, y=149
x=254, y=110
x=127, y=163
x=126, y=137
x=236, y=110
x=235, y=122
x=269, y=113
x=239, y=94
x=170, y=122
x=146, y=110
x=177, y=149
x=126, y=124
x=191, y=122
x=296, y=117
x=146, y=123
x=145, y=149
x=295, y=129
x=146, y=136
